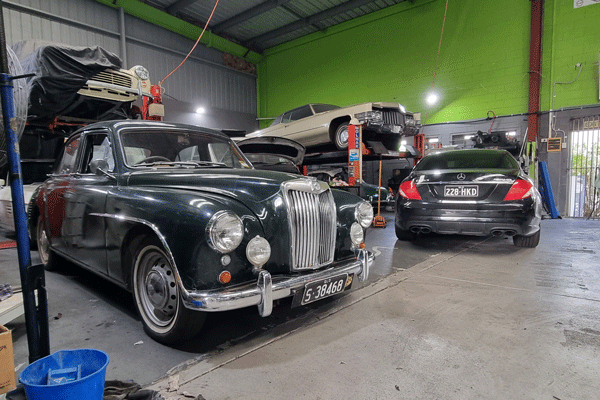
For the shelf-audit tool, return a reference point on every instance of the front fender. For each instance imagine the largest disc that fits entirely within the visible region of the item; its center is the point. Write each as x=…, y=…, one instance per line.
x=180, y=217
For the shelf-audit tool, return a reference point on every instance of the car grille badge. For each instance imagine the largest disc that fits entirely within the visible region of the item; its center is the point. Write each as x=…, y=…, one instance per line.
x=461, y=177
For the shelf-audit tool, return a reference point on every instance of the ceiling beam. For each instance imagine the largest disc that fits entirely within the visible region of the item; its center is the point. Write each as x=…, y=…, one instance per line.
x=179, y=5
x=298, y=16
x=313, y=19
x=246, y=15
x=160, y=18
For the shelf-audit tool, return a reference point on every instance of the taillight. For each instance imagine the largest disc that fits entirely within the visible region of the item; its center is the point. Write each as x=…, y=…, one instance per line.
x=408, y=190
x=520, y=189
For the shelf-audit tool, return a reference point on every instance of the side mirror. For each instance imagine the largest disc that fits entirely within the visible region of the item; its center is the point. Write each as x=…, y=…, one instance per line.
x=98, y=167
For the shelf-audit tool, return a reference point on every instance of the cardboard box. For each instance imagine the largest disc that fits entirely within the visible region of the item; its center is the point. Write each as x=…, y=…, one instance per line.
x=7, y=361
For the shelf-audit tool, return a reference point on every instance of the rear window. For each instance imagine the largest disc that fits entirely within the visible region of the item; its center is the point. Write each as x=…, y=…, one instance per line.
x=468, y=160
x=319, y=108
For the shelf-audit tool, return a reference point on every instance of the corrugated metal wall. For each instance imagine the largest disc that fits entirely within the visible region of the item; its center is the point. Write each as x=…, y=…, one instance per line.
x=202, y=80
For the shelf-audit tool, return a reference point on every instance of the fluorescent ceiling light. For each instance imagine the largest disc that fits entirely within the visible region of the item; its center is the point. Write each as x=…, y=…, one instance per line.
x=200, y=110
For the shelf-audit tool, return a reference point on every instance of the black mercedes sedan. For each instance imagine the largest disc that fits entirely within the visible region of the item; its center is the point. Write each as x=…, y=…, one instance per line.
x=470, y=192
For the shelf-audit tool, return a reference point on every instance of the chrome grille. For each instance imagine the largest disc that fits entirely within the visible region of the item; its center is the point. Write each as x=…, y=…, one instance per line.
x=392, y=117
x=113, y=78
x=312, y=218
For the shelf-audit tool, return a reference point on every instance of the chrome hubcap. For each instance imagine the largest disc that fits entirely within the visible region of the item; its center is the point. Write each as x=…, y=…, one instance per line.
x=157, y=287
x=344, y=137
x=42, y=242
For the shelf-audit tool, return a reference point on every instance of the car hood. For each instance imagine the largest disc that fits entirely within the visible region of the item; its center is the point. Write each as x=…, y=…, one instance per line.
x=278, y=146
x=245, y=185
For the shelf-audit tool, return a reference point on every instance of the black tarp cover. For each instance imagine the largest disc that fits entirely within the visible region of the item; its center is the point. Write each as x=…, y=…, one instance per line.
x=60, y=71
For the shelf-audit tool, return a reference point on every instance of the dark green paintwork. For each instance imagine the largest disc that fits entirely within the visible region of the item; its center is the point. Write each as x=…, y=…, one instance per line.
x=179, y=203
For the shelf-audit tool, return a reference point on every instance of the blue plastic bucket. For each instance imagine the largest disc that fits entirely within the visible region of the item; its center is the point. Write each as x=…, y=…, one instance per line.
x=66, y=375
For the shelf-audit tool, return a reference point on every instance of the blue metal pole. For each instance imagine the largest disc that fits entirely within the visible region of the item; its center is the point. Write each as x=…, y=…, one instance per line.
x=32, y=278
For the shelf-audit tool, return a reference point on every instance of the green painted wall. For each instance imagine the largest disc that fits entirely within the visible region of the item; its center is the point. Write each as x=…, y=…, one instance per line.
x=571, y=36
x=390, y=55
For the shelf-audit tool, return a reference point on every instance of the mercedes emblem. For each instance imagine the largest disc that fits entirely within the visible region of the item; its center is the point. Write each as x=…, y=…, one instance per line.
x=461, y=176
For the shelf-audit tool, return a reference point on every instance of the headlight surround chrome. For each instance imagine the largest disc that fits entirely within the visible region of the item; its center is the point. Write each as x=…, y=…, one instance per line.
x=258, y=251
x=225, y=231
x=364, y=214
x=369, y=116
x=142, y=72
x=357, y=235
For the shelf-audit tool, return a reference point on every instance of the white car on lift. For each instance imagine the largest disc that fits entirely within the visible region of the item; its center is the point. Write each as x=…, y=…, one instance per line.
x=318, y=124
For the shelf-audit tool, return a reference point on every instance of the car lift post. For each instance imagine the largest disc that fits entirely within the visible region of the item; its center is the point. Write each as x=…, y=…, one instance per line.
x=354, y=154
x=32, y=277
x=379, y=221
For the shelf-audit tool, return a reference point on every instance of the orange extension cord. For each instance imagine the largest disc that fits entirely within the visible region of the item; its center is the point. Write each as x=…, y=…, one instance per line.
x=196, y=44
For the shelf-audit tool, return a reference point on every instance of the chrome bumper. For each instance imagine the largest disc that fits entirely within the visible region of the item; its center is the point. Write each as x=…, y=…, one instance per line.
x=267, y=289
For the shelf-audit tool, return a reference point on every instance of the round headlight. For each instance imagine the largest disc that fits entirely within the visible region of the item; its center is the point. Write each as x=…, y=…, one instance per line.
x=142, y=72
x=364, y=214
x=356, y=234
x=225, y=231
x=258, y=251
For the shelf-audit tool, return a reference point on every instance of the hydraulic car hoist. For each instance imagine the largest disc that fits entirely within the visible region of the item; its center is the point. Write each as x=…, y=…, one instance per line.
x=378, y=220
x=355, y=158
x=354, y=154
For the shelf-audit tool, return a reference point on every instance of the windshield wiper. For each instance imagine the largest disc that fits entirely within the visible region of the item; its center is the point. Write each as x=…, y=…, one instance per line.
x=192, y=164
x=205, y=163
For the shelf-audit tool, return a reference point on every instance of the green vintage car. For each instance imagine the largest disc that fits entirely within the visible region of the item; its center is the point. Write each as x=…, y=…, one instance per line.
x=177, y=215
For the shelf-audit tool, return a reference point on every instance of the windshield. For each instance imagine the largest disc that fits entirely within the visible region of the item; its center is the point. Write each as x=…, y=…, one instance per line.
x=468, y=160
x=179, y=148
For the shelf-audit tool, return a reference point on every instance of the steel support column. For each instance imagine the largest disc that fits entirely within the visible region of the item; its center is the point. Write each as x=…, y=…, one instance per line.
x=535, y=68
x=32, y=277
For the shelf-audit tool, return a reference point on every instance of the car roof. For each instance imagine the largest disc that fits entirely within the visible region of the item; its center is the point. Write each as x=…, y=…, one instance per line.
x=141, y=124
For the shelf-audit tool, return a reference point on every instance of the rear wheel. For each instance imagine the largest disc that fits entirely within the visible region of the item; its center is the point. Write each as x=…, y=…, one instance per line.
x=340, y=136
x=157, y=296
x=47, y=257
x=401, y=234
x=527, y=241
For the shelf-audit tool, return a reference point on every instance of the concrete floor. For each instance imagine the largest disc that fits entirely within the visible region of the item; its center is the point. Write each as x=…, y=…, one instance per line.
x=446, y=317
